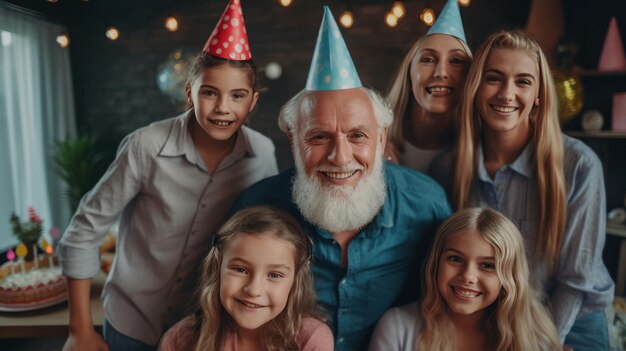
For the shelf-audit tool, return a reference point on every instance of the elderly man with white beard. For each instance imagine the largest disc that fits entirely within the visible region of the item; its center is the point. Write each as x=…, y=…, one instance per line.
x=370, y=221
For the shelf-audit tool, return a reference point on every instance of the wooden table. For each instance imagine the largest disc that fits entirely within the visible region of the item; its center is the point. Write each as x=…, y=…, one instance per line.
x=50, y=321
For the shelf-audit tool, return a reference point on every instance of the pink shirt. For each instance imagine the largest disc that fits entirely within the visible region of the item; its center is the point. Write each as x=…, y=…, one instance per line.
x=313, y=336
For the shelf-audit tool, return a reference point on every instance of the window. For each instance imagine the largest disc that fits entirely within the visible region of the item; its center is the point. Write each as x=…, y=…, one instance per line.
x=36, y=109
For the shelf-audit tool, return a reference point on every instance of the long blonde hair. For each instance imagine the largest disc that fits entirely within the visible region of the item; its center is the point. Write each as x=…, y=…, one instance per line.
x=516, y=321
x=552, y=207
x=211, y=323
x=401, y=93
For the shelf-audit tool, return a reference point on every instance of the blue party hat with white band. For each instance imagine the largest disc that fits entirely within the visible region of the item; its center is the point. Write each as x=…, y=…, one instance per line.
x=332, y=67
x=449, y=21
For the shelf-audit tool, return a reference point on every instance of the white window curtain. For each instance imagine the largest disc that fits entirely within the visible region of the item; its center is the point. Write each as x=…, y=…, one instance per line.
x=36, y=109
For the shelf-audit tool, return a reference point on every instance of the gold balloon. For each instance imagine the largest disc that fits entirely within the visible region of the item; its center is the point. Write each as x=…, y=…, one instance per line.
x=569, y=89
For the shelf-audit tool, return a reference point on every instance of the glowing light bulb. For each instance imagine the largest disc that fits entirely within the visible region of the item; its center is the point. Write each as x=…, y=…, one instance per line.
x=346, y=19
x=391, y=19
x=112, y=33
x=398, y=9
x=63, y=40
x=52, y=1
x=427, y=16
x=171, y=24
x=465, y=3
x=285, y=3
x=273, y=70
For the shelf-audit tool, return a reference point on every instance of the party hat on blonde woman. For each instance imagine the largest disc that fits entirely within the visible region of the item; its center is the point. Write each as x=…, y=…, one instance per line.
x=229, y=39
x=332, y=67
x=449, y=21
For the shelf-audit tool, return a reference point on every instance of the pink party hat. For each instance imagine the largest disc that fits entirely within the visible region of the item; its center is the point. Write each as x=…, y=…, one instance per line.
x=612, y=57
x=229, y=39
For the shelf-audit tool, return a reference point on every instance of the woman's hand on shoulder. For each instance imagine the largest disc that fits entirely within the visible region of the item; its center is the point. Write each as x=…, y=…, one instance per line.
x=391, y=153
x=91, y=341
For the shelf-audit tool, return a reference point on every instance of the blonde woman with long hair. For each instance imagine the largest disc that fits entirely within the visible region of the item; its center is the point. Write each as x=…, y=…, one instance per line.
x=256, y=290
x=512, y=156
x=477, y=294
x=425, y=93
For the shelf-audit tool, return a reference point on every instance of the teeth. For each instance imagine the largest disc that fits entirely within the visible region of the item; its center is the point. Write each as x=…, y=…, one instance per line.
x=336, y=175
x=504, y=108
x=221, y=123
x=249, y=304
x=466, y=293
x=438, y=90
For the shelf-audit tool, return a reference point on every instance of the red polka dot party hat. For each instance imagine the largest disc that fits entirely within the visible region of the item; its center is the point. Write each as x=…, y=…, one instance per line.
x=229, y=39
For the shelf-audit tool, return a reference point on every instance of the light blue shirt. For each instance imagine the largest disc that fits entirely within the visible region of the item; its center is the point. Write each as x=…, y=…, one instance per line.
x=384, y=259
x=581, y=283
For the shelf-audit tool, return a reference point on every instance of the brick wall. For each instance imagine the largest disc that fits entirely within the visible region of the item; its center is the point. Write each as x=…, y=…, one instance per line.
x=115, y=82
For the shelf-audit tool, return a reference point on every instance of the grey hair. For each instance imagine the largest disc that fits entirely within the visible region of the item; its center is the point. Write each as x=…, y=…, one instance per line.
x=302, y=104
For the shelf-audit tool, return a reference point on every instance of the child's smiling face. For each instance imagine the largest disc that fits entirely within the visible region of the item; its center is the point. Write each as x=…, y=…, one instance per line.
x=222, y=96
x=467, y=277
x=256, y=276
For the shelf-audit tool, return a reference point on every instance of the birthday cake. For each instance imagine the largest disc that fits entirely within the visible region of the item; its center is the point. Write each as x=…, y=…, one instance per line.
x=36, y=287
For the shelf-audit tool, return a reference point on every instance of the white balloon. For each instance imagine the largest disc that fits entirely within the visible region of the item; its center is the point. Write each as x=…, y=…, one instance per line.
x=592, y=121
x=273, y=70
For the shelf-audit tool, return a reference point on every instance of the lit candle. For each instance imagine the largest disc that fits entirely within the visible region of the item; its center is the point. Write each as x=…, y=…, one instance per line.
x=44, y=246
x=21, y=251
x=55, y=233
x=35, y=255
x=11, y=257
x=50, y=251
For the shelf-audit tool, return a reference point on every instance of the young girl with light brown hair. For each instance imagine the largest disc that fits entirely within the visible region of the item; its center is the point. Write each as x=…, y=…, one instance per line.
x=256, y=291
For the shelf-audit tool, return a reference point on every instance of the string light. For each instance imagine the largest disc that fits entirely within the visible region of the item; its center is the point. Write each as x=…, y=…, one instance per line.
x=465, y=3
x=63, y=40
x=427, y=16
x=112, y=33
x=285, y=3
x=171, y=24
x=398, y=9
x=346, y=19
x=391, y=19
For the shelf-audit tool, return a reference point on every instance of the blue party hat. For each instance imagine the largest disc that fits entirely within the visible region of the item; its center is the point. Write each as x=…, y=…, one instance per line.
x=332, y=67
x=449, y=21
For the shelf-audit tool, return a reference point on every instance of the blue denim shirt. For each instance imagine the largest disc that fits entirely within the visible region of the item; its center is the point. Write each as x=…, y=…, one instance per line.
x=384, y=259
x=581, y=283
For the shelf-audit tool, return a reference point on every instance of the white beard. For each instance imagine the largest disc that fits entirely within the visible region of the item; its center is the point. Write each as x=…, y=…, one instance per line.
x=337, y=208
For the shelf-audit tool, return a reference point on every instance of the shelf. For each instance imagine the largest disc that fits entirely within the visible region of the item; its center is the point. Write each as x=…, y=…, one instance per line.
x=616, y=229
x=603, y=134
x=600, y=74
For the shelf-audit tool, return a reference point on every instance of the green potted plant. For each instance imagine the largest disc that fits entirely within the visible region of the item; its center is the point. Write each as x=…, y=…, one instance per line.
x=79, y=165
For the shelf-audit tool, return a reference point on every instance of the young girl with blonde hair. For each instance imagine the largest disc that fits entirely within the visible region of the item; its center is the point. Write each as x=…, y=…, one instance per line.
x=256, y=291
x=512, y=156
x=477, y=294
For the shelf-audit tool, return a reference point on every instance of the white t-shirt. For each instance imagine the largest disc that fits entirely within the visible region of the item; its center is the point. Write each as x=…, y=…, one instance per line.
x=397, y=329
x=416, y=158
